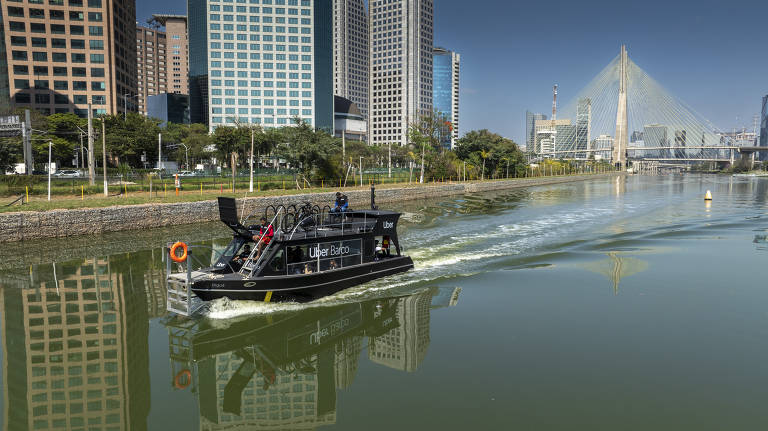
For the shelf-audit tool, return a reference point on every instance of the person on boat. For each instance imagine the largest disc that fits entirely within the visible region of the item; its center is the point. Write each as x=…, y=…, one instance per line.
x=266, y=232
x=332, y=264
x=342, y=203
x=385, y=245
x=307, y=269
x=243, y=256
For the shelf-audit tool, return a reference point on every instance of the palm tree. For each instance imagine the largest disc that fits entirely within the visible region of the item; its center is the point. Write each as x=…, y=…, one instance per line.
x=413, y=159
x=484, y=154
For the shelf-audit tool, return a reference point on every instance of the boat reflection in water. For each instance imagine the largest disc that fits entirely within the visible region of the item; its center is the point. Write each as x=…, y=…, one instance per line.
x=282, y=371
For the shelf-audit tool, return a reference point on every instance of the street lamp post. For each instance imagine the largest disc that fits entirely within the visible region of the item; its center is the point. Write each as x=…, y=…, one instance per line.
x=50, y=145
x=104, y=155
x=361, y=171
x=250, y=185
x=186, y=154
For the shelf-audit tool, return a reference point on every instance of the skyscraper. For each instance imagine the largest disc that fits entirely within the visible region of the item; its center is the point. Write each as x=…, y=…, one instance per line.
x=530, y=129
x=61, y=57
x=177, y=57
x=162, y=58
x=150, y=59
x=261, y=64
x=5, y=93
x=680, y=140
x=350, y=52
x=445, y=90
x=654, y=136
x=583, y=125
x=764, y=129
x=401, y=67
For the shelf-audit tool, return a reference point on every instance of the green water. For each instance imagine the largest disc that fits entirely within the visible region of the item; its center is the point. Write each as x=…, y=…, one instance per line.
x=625, y=303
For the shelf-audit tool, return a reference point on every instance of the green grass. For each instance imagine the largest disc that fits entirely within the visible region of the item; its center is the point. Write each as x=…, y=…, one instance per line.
x=188, y=194
x=191, y=192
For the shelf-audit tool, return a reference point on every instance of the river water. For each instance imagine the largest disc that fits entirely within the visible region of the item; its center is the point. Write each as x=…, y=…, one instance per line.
x=623, y=303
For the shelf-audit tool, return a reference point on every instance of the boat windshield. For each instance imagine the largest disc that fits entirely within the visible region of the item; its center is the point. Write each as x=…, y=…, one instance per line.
x=225, y=258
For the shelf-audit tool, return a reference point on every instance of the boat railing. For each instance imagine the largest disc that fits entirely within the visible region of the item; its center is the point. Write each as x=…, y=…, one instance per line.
x=179, y=296
x=347, y=222
x=249, y=266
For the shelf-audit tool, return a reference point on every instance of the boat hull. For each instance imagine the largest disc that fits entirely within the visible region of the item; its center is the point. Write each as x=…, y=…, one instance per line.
x=300, y=287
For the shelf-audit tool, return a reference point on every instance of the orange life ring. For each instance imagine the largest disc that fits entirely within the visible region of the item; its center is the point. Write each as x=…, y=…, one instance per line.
x=178, y=384
x=183, y=256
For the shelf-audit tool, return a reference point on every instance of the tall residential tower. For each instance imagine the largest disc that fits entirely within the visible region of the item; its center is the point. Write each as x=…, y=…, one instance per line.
x=62, y=56
x=263, y=64
x=350, y=52
x=162, y=58
x=401, y=67
x=445, y=90
x=150, y=64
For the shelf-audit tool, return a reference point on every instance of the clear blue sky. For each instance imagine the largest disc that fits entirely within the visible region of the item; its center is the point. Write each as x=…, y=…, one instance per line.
x=711, y=54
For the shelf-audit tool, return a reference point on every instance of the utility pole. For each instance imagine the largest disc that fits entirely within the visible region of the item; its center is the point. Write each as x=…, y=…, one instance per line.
x=159, y=151
x=361, y=171
x=91, y=161
x=250, y=184
x=104, y=153
x=26, y=134
x=81, y=161
x=389, y=160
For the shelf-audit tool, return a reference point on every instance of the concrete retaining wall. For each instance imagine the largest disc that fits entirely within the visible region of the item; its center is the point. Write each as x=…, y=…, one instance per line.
x=19, y=226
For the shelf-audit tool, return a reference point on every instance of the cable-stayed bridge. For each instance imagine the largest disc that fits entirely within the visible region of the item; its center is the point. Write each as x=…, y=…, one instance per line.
x=623, y=115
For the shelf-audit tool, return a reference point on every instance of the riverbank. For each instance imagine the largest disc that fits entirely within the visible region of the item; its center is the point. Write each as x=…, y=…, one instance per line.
x=29, y=225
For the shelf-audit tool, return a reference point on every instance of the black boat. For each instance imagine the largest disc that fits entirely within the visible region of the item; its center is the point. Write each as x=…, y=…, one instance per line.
x=313, y=253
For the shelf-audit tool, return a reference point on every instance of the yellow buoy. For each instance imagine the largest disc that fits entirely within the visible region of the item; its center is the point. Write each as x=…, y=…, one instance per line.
x=708, y=196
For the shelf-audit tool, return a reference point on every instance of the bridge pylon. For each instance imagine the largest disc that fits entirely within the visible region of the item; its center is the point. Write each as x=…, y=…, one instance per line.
x=619, y=153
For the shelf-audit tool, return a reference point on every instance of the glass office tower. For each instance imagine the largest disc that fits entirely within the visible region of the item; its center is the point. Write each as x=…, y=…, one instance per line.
x=445, y=90
x=262, y=62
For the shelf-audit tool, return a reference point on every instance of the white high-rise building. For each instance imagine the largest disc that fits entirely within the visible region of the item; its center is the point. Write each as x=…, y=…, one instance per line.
x=350, y=52
x=401, y=36
x=261, y=62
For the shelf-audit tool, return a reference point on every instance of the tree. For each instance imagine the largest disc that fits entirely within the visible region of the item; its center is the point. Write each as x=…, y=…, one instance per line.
x=484, y=154
x=9, y=154
x=309, y=150
x=492, y=149
x=426, y=132
x=129, y=137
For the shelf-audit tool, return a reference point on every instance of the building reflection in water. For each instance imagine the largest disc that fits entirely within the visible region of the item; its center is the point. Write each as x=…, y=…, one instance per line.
x=72, y=357
x=76, y=352
x=282, y=371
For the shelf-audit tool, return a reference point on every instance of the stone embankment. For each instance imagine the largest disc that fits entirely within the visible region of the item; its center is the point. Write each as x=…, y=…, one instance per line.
x=27, y=225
